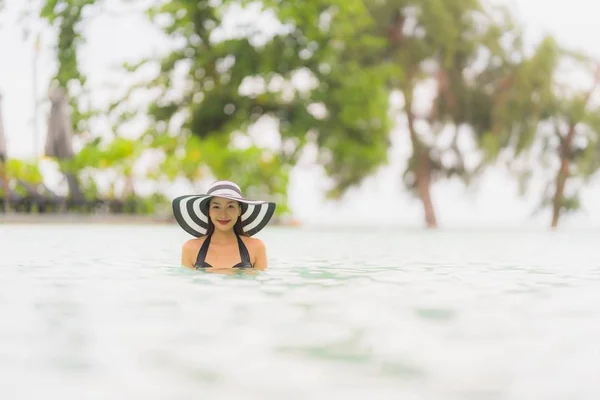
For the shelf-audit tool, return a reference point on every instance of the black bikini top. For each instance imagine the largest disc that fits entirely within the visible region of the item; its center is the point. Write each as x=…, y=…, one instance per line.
x=244, y=255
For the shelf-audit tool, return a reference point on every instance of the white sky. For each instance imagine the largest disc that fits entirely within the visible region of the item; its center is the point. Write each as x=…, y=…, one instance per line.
x=381, y=200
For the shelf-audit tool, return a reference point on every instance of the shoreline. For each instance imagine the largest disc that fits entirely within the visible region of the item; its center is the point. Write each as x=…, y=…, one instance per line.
x=18, y=218
x=115, y=219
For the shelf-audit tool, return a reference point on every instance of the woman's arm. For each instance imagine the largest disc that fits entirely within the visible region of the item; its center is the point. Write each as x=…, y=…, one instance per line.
x=187, y=253
x=261, y=255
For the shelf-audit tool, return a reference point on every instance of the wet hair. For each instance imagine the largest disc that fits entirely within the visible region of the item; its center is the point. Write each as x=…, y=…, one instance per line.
x=237, y=228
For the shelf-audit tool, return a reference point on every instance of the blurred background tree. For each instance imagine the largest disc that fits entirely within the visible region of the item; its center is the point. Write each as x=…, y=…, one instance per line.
x=461, y=52
x=231, y=99
x=554, y=125
x=68, y=85
x=233, y=84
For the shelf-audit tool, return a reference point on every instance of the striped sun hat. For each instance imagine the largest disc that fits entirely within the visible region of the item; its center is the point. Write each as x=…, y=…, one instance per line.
x=191, y=211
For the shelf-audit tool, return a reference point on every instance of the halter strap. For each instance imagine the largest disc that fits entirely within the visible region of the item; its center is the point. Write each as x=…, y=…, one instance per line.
x=244, y=254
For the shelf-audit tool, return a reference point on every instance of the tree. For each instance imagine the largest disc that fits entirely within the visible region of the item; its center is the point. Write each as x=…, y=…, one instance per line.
x=197, y=125
x=356, y=52
x=553, y=121
x=456, y=48
x=350, y=124
x=403, y=46
x=66, y=16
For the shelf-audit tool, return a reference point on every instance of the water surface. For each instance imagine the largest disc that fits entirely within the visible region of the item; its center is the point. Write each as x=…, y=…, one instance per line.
x=101, y=312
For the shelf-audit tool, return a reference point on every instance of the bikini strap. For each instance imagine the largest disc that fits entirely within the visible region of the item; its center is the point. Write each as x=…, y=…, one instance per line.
x=203, y=251
x=244, y=255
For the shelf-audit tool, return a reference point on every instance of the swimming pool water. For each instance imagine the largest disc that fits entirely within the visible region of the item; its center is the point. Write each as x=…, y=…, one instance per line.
x=105, y=311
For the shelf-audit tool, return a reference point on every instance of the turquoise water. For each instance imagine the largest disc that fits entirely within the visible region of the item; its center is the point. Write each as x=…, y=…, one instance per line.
x=98, y=312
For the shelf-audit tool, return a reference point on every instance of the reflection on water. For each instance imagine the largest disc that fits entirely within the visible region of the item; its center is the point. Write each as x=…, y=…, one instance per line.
x=102, y=312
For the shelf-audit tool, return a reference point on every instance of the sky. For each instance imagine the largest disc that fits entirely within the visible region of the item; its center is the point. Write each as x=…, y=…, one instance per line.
x=380, y=201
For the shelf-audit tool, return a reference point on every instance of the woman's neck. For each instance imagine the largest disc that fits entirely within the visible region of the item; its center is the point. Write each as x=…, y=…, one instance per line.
x=223, y=237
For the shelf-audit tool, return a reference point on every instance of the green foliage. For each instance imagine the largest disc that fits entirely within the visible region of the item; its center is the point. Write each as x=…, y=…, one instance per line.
x=214, y=106
x=525, y=98
x=118, y=153
x=211, y=89
x=66, y=16
x=352, y=135
x=587, y=157
x=462, y=47
x=27, y=171
x=16, y=170
x=539, y=109
x=571, y=203
x=210, y=107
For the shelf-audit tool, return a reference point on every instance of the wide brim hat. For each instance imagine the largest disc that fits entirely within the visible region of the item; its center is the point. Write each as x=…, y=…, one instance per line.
x=191, y=211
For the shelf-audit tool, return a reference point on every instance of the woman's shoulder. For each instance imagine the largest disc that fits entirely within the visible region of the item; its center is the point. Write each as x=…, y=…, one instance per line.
x=189, y=251
x=193, y=244
x=253, y=242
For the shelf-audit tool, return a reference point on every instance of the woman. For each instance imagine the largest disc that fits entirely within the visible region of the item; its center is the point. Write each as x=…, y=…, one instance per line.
x=223, y=222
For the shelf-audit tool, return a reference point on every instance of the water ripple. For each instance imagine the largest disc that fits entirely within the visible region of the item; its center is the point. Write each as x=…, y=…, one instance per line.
x=100, y=312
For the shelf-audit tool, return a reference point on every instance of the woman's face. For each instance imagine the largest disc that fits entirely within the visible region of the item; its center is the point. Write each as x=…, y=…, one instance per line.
x=223, y=213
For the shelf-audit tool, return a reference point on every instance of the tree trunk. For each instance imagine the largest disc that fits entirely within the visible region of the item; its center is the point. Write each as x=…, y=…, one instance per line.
x=75, y=193
x=128, y=190
x=562, y=174
x=423, y=177
x=566, y=148
x=5, y=188
x=561, y=179
x=422, y=169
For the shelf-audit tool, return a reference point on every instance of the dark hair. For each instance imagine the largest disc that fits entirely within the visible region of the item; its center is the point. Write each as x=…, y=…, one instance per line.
x=237, y=228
